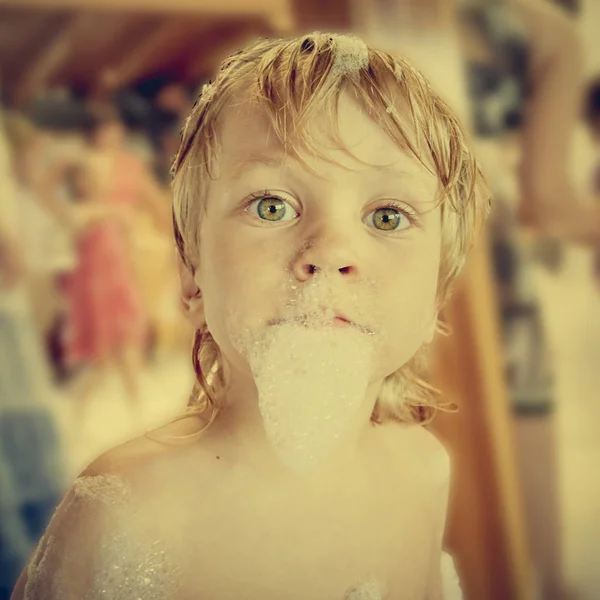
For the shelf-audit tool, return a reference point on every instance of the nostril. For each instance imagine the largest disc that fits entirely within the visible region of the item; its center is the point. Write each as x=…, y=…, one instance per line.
x=344, y=270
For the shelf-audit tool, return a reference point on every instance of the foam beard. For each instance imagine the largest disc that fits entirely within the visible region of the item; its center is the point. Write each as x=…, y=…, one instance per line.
x=311, y=373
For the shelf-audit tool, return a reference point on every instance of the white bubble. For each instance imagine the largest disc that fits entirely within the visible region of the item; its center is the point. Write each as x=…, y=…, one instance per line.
x=311, y=378
x=367, y=590
x=351, y=55
x=311, y=363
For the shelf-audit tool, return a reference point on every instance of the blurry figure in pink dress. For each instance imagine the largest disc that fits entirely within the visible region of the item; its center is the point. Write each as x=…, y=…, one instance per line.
x=106, y=321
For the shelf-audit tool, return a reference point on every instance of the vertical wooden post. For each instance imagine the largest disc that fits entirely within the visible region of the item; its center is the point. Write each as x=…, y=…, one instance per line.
x=486, y=530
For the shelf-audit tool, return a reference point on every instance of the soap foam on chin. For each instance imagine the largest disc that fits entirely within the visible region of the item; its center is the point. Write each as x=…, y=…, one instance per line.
x=311, y=381
x=311, y=370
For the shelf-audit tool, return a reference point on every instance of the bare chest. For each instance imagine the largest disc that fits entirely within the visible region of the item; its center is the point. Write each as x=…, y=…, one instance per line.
x=261, y=545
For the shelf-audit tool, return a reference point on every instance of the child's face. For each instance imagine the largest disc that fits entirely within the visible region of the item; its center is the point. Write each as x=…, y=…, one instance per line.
x=256, y=255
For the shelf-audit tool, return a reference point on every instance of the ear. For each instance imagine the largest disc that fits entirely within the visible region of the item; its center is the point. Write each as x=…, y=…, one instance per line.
x=191, y=296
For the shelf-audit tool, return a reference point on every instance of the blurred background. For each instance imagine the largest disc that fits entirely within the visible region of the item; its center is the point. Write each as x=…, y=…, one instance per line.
x=93, y=347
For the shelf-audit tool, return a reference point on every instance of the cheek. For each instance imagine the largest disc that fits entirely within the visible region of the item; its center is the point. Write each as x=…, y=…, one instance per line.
x=408, y=295
x=241, y=276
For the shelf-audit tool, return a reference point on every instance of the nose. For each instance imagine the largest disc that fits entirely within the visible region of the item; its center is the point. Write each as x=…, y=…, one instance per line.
x=327, y=252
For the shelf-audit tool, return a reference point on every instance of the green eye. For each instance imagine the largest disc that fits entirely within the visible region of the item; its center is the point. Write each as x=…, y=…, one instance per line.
x=387, y=219
x=271, y=209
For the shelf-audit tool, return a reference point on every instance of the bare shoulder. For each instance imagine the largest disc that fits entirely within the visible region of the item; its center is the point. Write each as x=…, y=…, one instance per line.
x=63, y=563
x=145, y=464
x=107, y=521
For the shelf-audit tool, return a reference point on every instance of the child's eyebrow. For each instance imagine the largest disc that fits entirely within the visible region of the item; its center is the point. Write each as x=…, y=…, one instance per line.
x=240, y=168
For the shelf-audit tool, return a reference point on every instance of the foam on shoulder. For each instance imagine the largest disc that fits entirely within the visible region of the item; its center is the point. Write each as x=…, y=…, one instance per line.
x=367, y=590
x=108, y=489
x=98, y=546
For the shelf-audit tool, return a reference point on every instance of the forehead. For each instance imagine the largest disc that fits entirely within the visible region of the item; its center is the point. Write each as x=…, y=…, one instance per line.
x=247, y=140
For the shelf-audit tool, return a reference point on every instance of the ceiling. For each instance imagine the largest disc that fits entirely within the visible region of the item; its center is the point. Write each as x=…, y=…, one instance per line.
x=98, y=48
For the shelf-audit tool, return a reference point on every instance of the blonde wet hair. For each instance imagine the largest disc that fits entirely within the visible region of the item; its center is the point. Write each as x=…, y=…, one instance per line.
x=291, y=80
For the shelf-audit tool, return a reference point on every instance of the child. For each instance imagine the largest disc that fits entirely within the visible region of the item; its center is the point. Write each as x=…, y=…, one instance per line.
x=324, y=201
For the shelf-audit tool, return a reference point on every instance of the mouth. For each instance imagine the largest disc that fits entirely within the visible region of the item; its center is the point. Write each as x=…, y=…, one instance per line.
x=336, y=321
x=341, y=321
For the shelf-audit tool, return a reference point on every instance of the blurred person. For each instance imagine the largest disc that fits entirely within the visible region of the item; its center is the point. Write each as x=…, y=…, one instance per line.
x=592, y=114
x=171, y=105
x=320, y=224
x=31, y=467
x=174, y=101
x=136, y=114
x=106, y=320
x=45, y=240
x=525, y=73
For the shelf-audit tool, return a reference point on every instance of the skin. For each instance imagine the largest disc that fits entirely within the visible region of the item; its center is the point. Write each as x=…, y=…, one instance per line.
x=377, y=506
x=241, y=282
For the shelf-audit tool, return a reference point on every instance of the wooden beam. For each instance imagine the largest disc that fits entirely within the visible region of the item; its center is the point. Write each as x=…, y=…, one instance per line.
x=49, y=59
x=486, y=529
x=418, y=15
x=158, y=43
x=332, y=15
x=219, y=43
x=229, y=8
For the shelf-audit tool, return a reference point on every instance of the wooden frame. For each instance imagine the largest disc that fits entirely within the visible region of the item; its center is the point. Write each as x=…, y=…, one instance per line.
x=229, y=8
x=486, y=528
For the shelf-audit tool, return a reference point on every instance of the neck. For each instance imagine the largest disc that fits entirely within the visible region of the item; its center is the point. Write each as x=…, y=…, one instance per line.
x=240, y=425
